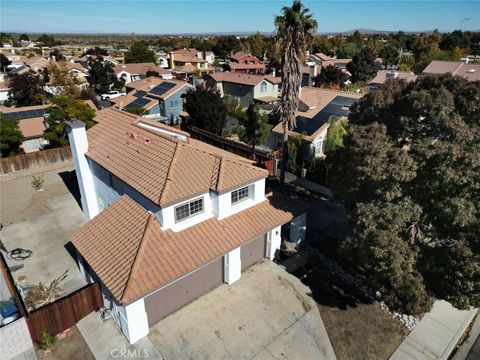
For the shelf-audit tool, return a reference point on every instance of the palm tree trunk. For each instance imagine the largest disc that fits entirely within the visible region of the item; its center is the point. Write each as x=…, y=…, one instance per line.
x=283, y=167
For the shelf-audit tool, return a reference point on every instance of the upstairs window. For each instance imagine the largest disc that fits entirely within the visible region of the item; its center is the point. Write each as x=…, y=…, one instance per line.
x=263, y=87
x=239, y=195
x=190, y=209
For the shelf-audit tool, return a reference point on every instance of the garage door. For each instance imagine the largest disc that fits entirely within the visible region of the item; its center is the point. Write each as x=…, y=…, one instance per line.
x=173, y=297
x=253, y=251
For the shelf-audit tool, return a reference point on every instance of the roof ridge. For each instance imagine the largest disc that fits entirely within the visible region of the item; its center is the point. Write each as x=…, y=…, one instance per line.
x=169, y=172
x=221, y=168
x=140, y=250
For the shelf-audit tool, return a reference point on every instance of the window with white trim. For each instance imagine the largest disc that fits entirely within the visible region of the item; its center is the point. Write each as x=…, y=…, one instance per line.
x=188, y=210
x=263, y=87
x=240, y=195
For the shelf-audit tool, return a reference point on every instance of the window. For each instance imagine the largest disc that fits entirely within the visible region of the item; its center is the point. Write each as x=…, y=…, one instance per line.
x=320, y=146
x=176, y=103
x=190, y=209
x=263, y=87
x=172, y=103
x=239, y=195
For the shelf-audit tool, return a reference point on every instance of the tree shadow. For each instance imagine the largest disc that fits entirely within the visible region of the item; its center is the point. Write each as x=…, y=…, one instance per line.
x=69, y=178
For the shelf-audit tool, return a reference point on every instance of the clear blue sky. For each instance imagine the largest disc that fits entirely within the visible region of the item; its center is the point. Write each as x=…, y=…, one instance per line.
x=160, y=17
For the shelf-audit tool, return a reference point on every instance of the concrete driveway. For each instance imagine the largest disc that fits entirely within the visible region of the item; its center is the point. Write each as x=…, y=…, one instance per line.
x=267, y=314
x=42, y=222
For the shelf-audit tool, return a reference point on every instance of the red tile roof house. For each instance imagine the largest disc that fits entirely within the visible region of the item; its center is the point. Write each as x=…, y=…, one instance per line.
x=243, y=62
x=314, y=110
x=132, y=72
x=170, y=217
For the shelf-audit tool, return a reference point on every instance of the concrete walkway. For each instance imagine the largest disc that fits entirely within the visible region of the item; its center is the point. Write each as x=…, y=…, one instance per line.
x=106, y=341
x=436, y=335
x=470, y=349
x=308, y=185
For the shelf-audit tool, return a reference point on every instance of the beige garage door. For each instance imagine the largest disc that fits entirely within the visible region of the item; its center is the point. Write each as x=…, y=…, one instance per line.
x=173, y=297
x=253, y=251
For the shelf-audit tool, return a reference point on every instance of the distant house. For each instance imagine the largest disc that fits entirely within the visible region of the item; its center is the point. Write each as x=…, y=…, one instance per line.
x=133, y=72
x=4, y=87
x=209, y=57
x=37, y=64
x=31, y=123
x=245, y=88
x=162, y=59
x=468, y=71
x=187, y=62
x=316, y=106
x=243, y=62
x=162, y=100
x=75, y=69
x=384, y=75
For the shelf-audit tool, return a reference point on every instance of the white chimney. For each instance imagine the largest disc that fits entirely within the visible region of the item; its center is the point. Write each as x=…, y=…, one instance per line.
x=273, y=72
x=77, y=136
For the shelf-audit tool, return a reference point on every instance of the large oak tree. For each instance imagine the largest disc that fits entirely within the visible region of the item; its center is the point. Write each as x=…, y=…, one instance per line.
x=410, y=175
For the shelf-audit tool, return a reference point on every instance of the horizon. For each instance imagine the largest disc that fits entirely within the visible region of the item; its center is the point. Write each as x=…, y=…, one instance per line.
x=222, y=17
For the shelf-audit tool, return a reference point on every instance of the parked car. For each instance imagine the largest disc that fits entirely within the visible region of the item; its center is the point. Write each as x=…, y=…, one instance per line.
x=112, y=95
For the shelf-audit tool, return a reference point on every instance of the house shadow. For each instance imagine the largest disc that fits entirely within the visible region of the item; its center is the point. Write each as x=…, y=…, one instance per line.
x=69, y=178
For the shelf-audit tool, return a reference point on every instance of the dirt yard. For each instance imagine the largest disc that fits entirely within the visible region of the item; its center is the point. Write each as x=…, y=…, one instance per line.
x=72, y=346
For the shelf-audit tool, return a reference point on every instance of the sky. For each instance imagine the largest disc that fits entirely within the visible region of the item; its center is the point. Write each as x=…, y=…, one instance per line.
x=177, y=17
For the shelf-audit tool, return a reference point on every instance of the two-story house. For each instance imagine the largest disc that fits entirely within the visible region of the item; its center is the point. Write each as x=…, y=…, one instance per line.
x=243, y=62
x=160, y=100
x=133, y=72
x=245, y=88
x=315, y=108
x=170, y=218
x=185, y=62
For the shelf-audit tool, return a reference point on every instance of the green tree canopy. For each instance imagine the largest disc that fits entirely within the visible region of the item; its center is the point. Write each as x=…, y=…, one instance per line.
x=26, y=90
x=63, y=109
x=23, y=37
x=363, y=66
x=139, y=53
x=225, y=44
x=11, y=137
x=4, y=62
x=253, y=129
x=330, y=77
x=389, y=55
x=336, y=132
x=409, y=173
x=206, y=109
x=46, y=40
x=102, y=77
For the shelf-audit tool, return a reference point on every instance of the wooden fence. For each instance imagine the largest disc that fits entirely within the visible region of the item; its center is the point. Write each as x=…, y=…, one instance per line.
x=64, y=313
x=263, y=157
x=35, y=160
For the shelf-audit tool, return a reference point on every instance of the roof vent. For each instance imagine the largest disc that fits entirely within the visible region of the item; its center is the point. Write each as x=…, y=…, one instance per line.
x=470, y=71
x=133, y=136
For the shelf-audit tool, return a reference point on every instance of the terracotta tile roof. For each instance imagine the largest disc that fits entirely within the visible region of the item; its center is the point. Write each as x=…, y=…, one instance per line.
x=239, y=66
x=32, y=127
x=187, y=56
x=315, y=99
x=239, y=55
x=188, y=68
x=160, y=167
x=244, y=79
x=140, y=68
x=401, y=75
x=471, y=72
x=7, y=110
x=126, y=247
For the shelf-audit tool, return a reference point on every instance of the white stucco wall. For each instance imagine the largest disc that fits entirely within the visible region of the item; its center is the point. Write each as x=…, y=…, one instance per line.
x=223, y=203
x=134, y=321
x=232, y=266
x=167, y=215
x=274, y=241
x=272, y=90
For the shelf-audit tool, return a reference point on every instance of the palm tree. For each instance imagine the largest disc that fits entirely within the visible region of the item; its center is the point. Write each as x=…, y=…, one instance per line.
x=294, y=33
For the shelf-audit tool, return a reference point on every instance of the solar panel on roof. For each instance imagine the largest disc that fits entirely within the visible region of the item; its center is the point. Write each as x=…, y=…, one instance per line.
x=162, y=88
x=140, y=93
x=138, y=103
x=25, y=114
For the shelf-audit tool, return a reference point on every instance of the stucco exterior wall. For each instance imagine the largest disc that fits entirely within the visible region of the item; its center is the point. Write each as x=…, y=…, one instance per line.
x=272, y=90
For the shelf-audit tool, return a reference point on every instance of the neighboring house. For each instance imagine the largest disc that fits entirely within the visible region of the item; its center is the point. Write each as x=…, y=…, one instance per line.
x=31, y=123
x=170, y=218
x=315, y=108
x=209, y=57
x=186, y=62
x=4, y=87
x=162, y=100
x=471, y=72
x=133, y=72
x=341, y=63
x=384, y=75
x=37, y=64
x=162, y=59
x=319, y=61
x=76, y=70
x=245, y=88
x=243, y=62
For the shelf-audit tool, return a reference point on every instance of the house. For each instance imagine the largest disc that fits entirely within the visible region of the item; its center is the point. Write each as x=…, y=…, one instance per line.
x=245, y=88
x=315, y=108
x=384, y=75
x=31, y=123
x=468, y=71
x=36, y=63
x=170, y=218
x=162, y=100
x=133, y=72
x=162, y=59
x=76, y=70
x=186, y=62
x=243, y=62
x=209, y=57
x=4, y=87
